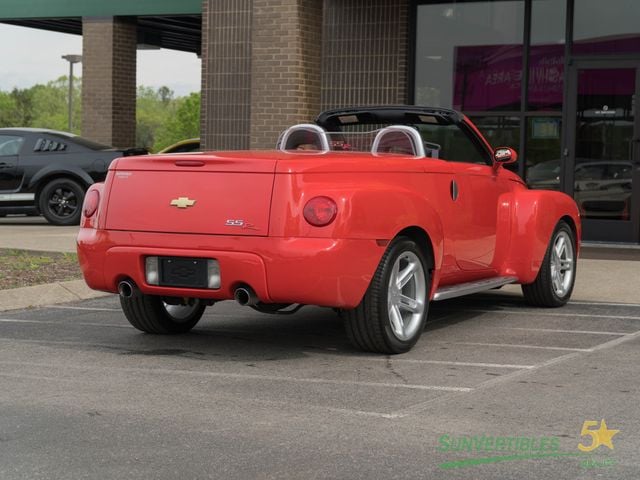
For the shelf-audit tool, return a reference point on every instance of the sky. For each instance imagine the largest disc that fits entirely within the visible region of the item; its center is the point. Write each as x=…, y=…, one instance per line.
x=29, y=56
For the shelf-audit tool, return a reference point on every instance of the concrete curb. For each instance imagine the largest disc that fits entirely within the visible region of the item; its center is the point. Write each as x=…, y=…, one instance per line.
x=47, y=294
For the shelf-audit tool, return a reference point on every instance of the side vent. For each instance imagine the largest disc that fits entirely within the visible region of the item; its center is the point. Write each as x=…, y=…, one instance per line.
x=45, y=145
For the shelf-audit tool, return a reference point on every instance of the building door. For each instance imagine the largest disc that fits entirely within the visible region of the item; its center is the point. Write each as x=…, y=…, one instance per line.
x=602, y=149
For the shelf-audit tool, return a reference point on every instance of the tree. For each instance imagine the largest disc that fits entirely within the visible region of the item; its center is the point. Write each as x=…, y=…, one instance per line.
x=182, y=124
x=41, y=106
x=162, y=119
x=8, y=110
x=51, y=107
x=154, y=110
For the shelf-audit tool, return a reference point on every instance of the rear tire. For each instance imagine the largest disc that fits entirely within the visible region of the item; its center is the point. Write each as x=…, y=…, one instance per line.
x=60, y=201
x=150, y=314
x=393, y=312
x=554, y=284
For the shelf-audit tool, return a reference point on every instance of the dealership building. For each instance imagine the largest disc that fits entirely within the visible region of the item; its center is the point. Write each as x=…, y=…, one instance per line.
x=556, y=79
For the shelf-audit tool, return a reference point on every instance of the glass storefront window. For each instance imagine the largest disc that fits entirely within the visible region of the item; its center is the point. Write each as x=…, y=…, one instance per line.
x=543, y=153
x=606, y=27
x=604, y=142
x=499, y=131
x=469, y=55
x=546, y=55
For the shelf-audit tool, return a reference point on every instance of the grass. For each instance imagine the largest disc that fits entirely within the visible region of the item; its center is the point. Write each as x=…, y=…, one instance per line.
x=22, y=268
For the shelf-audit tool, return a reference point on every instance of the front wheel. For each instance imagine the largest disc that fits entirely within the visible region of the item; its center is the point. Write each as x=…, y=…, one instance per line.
x=554, y=284
x=393, y=312
x=151, y=314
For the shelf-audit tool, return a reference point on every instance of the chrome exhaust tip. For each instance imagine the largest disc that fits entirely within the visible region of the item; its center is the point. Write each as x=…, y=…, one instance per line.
x=126, y=288
x=245, y=296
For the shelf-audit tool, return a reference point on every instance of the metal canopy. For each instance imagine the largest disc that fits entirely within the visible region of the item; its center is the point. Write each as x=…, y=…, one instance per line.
x=176, y=32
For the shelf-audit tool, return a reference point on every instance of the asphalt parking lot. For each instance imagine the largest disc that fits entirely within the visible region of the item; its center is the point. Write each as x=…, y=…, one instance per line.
x=246, y=395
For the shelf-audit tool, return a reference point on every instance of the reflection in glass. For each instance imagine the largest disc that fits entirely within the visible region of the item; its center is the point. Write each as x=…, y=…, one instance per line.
x=601, y=27
x=604, y=132
x=499, y=131
x=543, y=153
x=469, y=55
x=546, y=58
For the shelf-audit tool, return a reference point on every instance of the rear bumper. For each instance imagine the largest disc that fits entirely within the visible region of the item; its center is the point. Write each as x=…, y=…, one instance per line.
x=314, y=271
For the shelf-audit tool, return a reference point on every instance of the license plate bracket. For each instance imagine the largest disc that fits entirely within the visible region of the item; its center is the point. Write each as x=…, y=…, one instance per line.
x=183, y=272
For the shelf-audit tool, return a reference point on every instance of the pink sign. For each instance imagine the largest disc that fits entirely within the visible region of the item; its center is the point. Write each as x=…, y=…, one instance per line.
x=488, y=77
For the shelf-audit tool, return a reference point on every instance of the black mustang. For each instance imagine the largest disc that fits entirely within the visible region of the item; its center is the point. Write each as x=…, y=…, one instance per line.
x=48, y=172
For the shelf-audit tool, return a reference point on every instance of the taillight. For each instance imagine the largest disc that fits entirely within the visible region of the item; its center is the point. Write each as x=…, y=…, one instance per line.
x=91, y=201
x=320, y=211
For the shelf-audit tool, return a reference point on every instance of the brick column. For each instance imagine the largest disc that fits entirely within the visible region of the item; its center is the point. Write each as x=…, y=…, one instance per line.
x=109, y=81
x=285, y=66
x=260, y=69
x=365, y=52
x=226, y=74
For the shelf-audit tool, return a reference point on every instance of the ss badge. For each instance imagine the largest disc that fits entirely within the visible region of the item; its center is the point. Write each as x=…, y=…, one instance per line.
x=239, y=223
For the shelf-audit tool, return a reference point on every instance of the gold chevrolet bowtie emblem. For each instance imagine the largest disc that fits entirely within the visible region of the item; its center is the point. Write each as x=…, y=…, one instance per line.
x=182, y=202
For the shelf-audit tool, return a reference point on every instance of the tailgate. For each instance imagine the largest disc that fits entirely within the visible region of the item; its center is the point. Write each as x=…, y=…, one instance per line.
x=195, y=196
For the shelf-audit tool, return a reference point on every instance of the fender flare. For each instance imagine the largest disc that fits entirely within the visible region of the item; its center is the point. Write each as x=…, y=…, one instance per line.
x=57, y=171
x=414, y=213
x=534, y=216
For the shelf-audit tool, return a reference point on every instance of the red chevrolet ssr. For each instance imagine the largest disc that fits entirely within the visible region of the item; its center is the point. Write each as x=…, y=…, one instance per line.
x=374, y=211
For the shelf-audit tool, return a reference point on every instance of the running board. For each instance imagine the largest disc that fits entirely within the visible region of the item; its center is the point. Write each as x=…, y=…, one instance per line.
x=452, y=291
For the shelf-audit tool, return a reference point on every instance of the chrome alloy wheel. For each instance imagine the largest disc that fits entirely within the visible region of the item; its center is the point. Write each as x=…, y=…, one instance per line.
x=181, y=313
x=562, y=264
x=407, y=295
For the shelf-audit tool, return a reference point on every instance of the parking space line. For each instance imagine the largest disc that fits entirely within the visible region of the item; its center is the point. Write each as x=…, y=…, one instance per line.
x=513, y=345
x=556, y=330
x=37, y=377
x=71, y=324
x=245, y=376
x=362, y=358
x=89, y=309
x=262, y=401
x=462, y=364
x=366, y=359
x=605, y=304
x=429, y=362
x=46, y=343
x=549, y=314
x=209, y=313
x=420, y=407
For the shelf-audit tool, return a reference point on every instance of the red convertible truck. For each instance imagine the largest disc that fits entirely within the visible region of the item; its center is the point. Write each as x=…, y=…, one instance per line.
x=373, y=211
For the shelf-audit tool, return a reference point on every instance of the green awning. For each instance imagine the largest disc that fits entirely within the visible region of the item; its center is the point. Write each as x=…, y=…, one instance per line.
x=26, y=9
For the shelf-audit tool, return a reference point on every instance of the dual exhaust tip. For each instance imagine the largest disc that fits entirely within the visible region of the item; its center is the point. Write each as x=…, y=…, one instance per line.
x=126, y=288
x=245, y=296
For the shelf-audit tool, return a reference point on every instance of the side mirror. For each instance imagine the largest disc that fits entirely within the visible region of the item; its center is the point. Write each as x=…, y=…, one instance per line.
x=504, y=155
